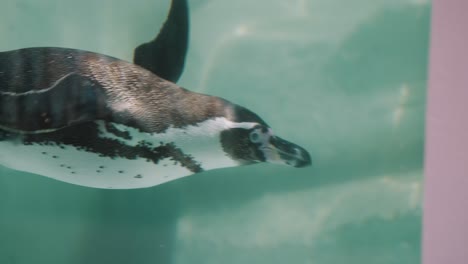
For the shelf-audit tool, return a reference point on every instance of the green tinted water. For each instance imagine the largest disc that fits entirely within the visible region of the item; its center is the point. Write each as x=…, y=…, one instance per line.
x=344, y=79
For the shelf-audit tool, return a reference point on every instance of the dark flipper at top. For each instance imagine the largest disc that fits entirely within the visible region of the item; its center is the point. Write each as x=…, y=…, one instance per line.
x=165, y=55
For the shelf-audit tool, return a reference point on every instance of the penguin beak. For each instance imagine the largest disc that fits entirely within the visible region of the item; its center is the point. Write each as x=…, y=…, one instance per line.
x=284, y=152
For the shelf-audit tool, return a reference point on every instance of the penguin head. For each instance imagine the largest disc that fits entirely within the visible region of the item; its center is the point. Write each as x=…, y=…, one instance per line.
x=256, y=142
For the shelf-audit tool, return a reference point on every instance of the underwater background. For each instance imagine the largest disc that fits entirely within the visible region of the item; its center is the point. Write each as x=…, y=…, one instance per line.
x=346, y=80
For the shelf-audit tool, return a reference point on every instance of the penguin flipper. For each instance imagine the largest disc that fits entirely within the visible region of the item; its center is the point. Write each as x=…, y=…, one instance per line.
x=72, y=99
x=165, y=55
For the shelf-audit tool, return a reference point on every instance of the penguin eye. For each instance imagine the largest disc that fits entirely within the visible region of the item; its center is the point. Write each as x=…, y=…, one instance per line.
x=254, y=136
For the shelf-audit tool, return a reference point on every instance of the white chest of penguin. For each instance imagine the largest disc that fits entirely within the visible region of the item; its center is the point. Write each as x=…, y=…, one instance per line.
x=183, y=151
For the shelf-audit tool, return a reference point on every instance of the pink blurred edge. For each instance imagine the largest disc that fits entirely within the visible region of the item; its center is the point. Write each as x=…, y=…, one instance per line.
x=445, y=221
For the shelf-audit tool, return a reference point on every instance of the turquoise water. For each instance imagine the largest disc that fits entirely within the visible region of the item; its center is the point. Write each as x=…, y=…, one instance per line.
x=345, y=80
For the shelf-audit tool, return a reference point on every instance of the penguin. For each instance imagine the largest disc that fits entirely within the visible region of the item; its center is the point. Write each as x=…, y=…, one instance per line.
x=97, y=121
